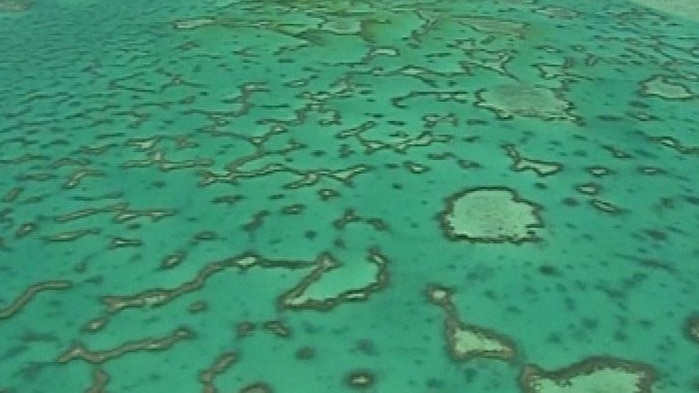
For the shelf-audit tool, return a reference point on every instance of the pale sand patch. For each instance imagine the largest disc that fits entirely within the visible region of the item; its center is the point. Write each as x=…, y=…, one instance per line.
x=688, y=9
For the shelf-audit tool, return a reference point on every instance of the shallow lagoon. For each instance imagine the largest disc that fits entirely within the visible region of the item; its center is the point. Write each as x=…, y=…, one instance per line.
x=349, y=196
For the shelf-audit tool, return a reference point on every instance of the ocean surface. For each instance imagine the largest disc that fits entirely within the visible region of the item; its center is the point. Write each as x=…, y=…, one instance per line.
x=381, y=196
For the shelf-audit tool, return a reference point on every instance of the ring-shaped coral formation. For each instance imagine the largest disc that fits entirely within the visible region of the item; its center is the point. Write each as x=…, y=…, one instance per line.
x=491, y=215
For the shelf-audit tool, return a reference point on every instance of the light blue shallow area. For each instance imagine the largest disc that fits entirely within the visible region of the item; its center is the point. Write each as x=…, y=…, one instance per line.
x=278, y=181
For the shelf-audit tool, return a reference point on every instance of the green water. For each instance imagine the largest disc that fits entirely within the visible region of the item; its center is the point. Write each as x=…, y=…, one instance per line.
x=349, y=196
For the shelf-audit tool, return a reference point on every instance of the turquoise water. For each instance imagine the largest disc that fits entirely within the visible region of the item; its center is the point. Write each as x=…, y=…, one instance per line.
x=372, y=196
